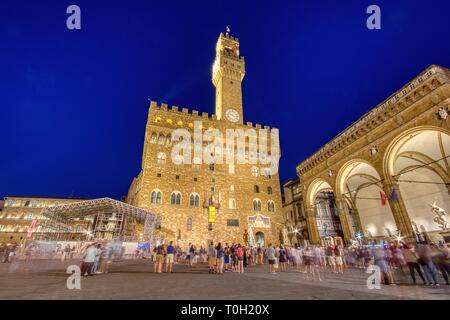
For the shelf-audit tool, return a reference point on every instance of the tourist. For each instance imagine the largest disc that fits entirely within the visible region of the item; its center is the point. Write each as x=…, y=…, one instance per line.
x=425, y=260
x=329, y=253
x=234, y=258
x=260, y=254
x=246, y=257
x=188, y=254
x=227, y=257
x=192, y=255
x=220, y=258
x=411, y=261
x=240, y=258
x=97, y=258
x=270, y=252
x=211, y=257
x=159, y=251
x=440, y=260
x=282, y=258
x=170, y=251
x=89, y=259
x=338, y=253
x=105, y=259
x=315, y=262
x=380, y=260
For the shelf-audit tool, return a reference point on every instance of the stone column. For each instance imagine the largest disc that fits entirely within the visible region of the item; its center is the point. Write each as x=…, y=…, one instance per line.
x=311, y=223
x=345, y=220
x=399, y=211
x=357, y=219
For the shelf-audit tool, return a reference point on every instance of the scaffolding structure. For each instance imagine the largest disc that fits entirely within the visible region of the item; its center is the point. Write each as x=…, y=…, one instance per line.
x=104, y=218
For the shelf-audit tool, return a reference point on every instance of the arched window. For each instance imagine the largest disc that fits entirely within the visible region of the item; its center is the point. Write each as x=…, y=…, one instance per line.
x=189, y=224
x=161, y=139
x=155, y=197
x=153, y=138
x=168, y=140
x=161, y=158
x=232, y=204
x=269, y=190
x=256, y=205
x=212, y=167
x=255, y=171
x=175, y=198
x=256, y=189
x=271, y=207
x=194, y=200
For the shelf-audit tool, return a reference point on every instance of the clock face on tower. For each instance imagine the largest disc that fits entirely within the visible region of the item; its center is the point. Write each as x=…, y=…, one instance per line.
x=232, y=115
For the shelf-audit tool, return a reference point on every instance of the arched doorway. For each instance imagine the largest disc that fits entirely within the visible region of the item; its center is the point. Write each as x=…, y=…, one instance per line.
x=359, y=183
x=418, y=163
x=321, y=198
x=259, y=237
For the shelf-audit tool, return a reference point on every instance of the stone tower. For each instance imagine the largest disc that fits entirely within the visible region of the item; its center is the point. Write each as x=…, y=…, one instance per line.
x=227, y=75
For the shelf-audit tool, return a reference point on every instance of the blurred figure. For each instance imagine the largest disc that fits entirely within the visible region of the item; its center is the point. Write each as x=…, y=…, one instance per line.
x=329, y=253
x=89, y=259
x=424, y=251
x=440, y=260
x=410, y=257
x=338, y=252
x=380, y=260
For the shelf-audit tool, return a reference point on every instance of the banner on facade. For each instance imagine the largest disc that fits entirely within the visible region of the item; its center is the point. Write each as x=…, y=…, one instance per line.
x=212, y=214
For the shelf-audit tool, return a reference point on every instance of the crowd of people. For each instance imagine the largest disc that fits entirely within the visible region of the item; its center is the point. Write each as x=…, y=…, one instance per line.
x=428, y=261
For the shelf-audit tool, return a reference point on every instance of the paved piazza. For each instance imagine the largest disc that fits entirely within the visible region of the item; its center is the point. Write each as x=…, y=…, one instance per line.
x=134, y=279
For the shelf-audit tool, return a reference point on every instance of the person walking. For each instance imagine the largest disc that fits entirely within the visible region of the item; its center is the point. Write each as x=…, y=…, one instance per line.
x=411, y=261
x=426, y=262
x=440, y=260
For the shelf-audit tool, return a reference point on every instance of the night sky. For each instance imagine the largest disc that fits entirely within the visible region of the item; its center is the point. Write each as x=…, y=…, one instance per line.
x=73, y=104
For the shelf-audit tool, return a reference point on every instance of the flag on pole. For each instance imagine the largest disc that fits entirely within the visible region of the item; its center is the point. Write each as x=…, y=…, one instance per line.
x=383, y=198
x=393, y=195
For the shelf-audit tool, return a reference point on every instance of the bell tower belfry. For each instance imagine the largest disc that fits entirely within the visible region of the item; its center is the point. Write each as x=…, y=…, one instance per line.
x=227, y=75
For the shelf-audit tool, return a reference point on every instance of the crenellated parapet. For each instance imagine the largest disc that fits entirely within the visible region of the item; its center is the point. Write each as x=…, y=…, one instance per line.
x=165, y=116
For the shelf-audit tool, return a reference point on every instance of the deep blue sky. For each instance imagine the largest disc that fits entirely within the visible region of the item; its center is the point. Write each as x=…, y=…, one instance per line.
x=73, y=104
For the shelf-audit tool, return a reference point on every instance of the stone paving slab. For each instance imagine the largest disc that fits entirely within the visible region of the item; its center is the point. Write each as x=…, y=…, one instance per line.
x=134, y=279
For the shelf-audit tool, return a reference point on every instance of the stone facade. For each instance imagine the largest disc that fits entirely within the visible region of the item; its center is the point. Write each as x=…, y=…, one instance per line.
x=407, y=133
x=248, y=193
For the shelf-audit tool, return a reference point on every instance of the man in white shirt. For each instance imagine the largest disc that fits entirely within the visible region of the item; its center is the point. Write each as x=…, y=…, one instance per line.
x=89, y=259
